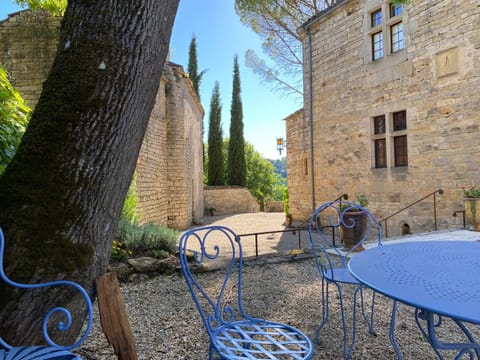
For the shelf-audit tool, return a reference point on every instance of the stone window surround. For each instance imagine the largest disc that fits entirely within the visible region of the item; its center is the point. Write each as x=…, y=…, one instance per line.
x=389, y=135
x=389, y=58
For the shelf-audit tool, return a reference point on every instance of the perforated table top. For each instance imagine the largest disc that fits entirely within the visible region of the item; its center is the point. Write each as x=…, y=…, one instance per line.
x=442, y=277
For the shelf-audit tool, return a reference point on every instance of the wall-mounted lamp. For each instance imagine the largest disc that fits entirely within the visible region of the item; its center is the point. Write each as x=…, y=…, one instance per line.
x=281, y=144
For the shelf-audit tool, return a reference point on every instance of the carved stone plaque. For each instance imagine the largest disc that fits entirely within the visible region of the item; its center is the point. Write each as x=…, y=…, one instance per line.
x=447, y=62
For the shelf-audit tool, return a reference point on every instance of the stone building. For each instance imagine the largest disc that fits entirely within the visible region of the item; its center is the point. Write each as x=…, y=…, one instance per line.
x=169, y=174
x=391, y=109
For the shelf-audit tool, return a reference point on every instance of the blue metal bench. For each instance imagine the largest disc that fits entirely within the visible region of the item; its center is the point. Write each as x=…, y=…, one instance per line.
x=51, y=350
x=233, y=334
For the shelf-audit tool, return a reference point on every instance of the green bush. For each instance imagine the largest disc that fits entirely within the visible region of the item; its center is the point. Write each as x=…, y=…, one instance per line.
x=130, y=204
x=14, y=117
x=144, y=240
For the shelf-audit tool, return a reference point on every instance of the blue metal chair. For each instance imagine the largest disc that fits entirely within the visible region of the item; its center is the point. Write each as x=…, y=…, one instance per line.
x=353, y=221
x=233, y=334
x=52, y=350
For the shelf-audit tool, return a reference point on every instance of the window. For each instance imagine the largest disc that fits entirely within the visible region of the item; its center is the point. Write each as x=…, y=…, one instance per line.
x=379, y=124
x=395, y=10
x=305, y=167
x=400, y=150
x=400, y=141
x=380, y=141
x=390, y=140
x=396, y=32
x=380, y=153
x=377, y=43
x=399, y=120
x=376, y=18
x=386, y=33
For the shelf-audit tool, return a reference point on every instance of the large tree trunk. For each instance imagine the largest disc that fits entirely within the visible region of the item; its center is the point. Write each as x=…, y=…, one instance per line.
x=62, y=195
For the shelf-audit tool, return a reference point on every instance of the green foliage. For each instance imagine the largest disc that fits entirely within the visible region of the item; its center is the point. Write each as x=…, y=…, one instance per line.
x=276, y=23
x=215, y=141
x=362, y=200
x=119, y=252
x=193, y=73
x=279, y=186
x=472, y=191
x=280, y=167
x=55, y=7
x=148, y=240
x=260, y=175
x=130, y=203
x=14, y=116
x=286, y=206
x=261, y=180
x=237, y=166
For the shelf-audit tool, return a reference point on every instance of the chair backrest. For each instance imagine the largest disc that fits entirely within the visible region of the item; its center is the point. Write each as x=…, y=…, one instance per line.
x=345, y=221
x=63, y=322
x=213, y=247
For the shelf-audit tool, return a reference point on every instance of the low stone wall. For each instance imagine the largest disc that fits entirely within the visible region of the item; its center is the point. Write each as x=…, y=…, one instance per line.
x=229, y=200
x=274, y=206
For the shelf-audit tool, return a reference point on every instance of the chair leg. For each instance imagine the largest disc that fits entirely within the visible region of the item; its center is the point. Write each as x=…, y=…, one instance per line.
x=346, y=354
x=368, y=321
x=325, y=298
x=347, y=345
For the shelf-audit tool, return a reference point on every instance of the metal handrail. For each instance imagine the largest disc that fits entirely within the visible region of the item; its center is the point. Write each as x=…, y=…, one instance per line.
x=439, y=191
x=342, y=197
x=293, y=230
x=463, y=216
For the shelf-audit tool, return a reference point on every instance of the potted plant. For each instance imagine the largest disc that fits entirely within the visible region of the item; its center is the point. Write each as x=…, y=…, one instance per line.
x=354, y=224
x=471, y=201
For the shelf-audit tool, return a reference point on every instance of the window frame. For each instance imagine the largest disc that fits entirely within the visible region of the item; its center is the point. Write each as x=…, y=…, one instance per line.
x=390, y=140
x=385, y=30
x=396, y=37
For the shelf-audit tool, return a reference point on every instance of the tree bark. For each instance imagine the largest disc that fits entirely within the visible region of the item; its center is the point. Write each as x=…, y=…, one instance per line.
x=62, y=194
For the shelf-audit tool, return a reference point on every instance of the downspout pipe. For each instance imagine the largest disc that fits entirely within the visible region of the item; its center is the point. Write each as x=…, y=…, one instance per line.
x=310, y=112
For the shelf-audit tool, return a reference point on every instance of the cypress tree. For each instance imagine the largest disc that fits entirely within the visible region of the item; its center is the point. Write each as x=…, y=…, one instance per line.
x=215, y=140
x=193, y=73
x=237, y=166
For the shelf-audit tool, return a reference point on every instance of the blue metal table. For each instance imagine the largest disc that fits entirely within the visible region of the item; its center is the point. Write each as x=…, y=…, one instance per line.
x=438, y=278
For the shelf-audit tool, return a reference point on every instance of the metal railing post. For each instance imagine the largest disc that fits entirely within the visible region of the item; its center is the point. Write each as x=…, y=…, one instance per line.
x=440, y=191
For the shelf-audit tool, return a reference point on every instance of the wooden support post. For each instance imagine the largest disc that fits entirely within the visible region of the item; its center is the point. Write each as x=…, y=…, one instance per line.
x=113, y=317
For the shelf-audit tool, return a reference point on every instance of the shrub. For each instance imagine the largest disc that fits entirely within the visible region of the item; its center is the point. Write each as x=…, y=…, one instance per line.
x=130, y=204
x=149, y=240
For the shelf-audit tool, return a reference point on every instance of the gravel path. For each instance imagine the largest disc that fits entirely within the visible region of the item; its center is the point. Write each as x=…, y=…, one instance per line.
x=167, y=325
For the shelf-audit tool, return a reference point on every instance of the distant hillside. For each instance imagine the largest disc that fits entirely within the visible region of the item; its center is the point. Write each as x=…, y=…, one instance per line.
x=280, y=166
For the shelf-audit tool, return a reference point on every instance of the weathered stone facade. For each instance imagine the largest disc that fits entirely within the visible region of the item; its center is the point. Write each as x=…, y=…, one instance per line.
x=434, y=79
x=229, y=200
x=28, y=42
x=169, y=174
x=170, y=164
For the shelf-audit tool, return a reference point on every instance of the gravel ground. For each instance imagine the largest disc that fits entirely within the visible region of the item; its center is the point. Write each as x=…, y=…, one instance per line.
x=167, y=325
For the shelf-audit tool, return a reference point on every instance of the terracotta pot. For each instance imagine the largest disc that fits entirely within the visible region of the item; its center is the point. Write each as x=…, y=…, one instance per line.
x=288, y=221
x=472, y=212
x=351, y=236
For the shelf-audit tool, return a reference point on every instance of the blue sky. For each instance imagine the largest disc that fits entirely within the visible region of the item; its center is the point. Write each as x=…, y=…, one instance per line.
x=220, y=35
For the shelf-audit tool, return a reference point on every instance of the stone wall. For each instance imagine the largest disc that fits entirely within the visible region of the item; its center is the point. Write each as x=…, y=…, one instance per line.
x=28, y=42
x=229, y=200
x=435, y=79
x=274, y=206
x=185, y=150
x=169, y=173
x=152, y=188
